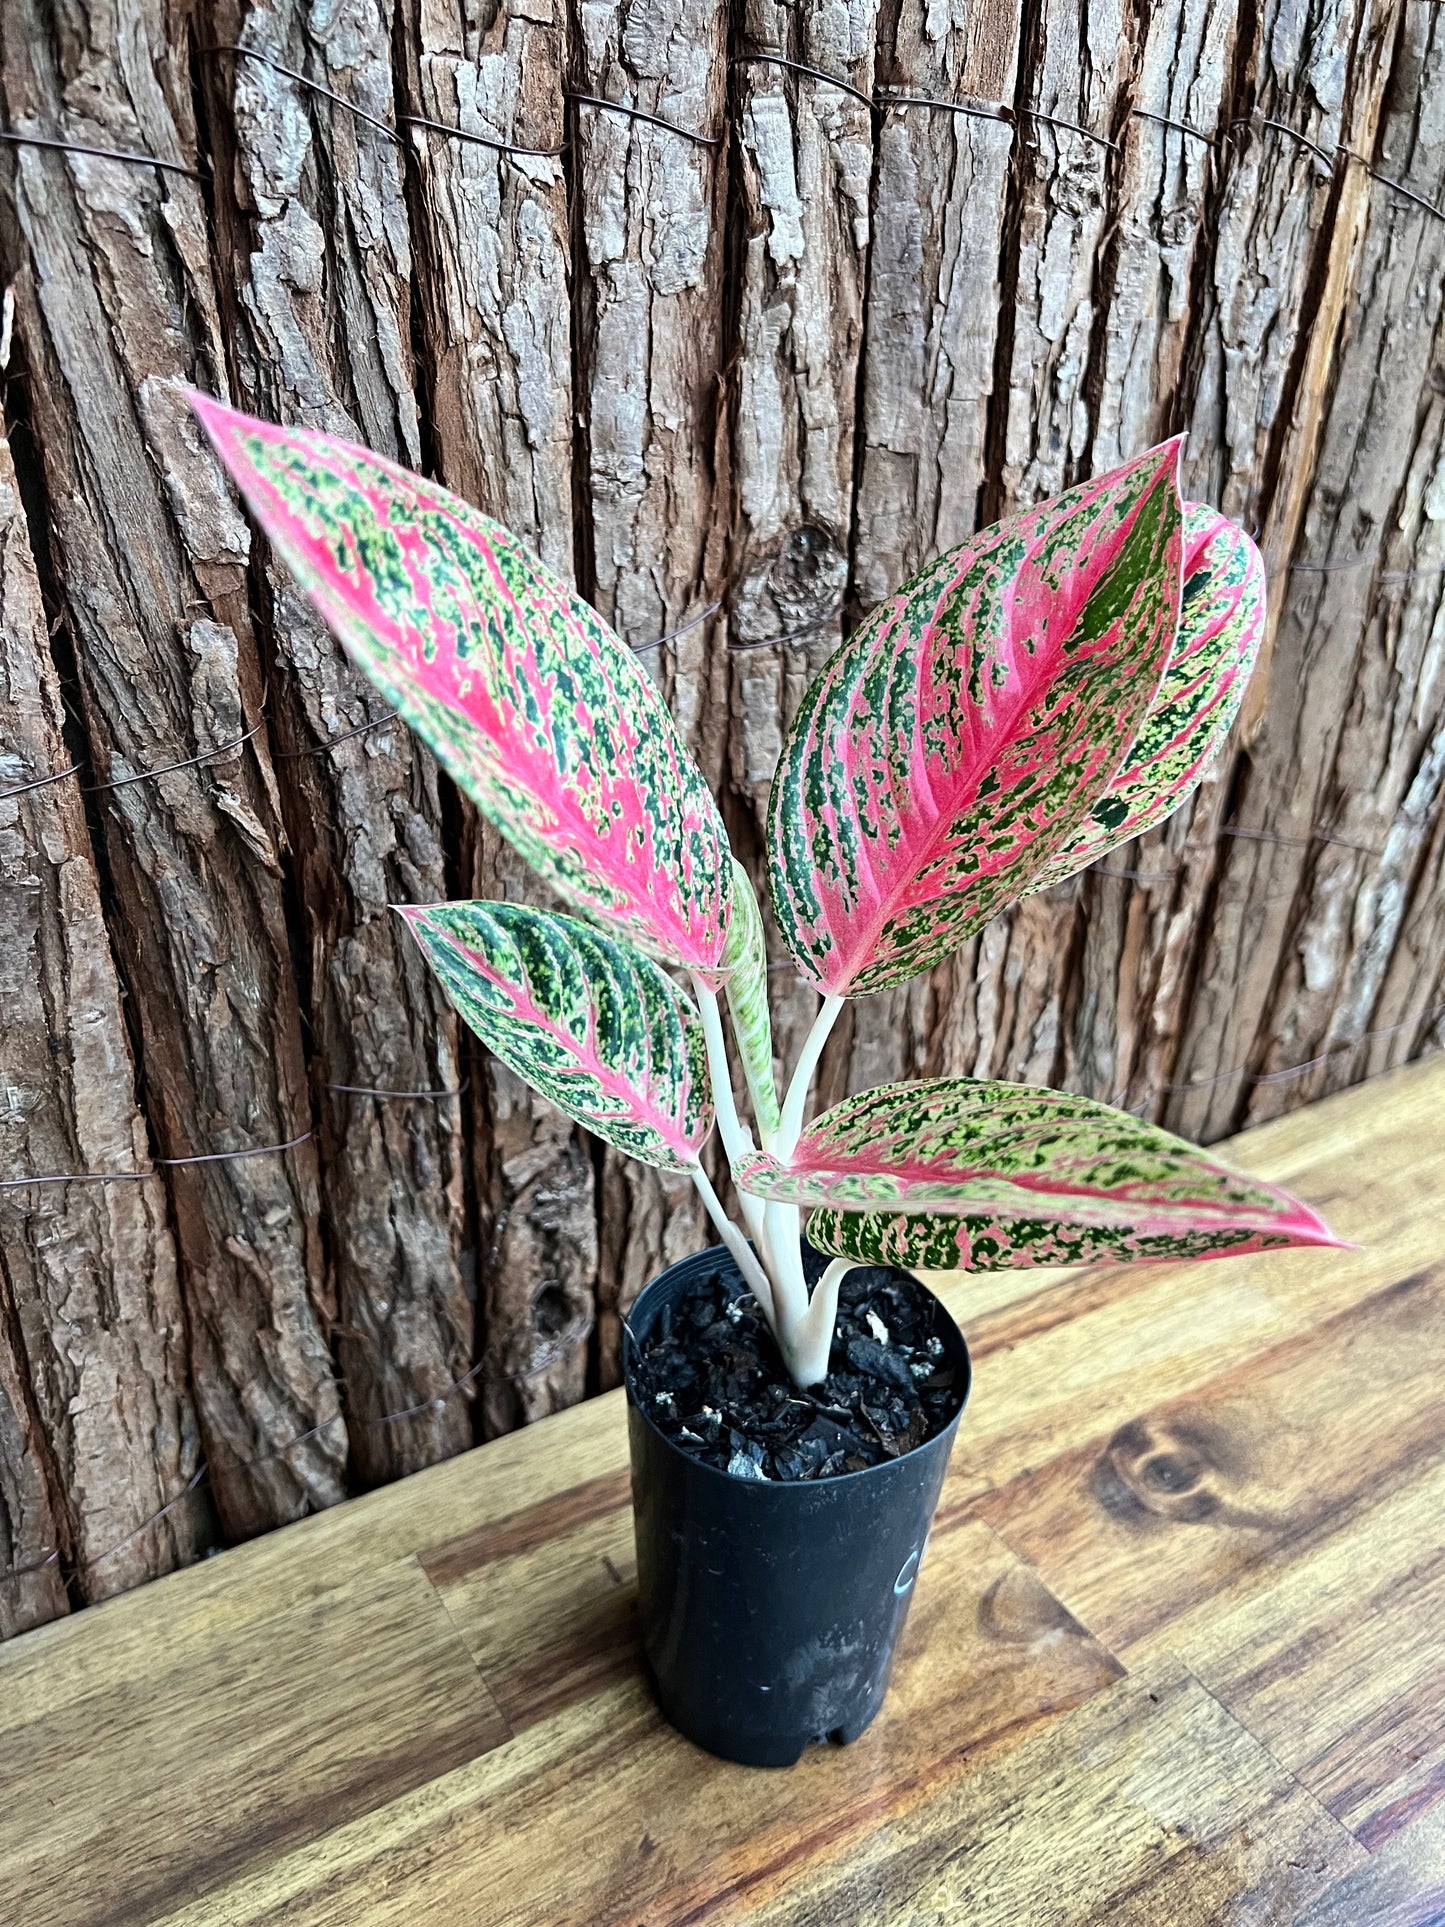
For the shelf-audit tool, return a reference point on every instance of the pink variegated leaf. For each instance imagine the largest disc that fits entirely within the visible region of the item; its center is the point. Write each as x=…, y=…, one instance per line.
x=1220, y=629
x=525, y=695
x=1028, y=1169
x=959, y=739
x=588, y=1020
x=982, y=1242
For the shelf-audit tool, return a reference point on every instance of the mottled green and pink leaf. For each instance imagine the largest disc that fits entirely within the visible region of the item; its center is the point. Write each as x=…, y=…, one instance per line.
x=527, y=698
x=1221, y=626
x=983, y=1243
x=746, y=961
x=587, y=1020
x=959, y=739
x=1007, y=1154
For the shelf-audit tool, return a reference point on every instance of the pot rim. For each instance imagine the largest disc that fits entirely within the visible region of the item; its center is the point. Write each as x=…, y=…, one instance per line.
x=838, y=1479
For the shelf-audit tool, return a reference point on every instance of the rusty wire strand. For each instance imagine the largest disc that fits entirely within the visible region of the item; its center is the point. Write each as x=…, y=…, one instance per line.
x=101, y=153
x=136, y=1177
x=640, y=648
x=638, y=113
x=40, y=783
x=302, y=80
x=485, y=140
x=167, y=769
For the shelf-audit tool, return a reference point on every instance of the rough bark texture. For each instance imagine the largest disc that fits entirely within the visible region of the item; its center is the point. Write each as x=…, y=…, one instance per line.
x=87, y=1271
x=114, y=307
x=778, y=374
x=650, y=350
x=319, y=271
x=494, y=278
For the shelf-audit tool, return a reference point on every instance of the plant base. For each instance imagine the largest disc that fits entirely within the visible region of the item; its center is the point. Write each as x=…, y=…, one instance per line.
x=770, y=1609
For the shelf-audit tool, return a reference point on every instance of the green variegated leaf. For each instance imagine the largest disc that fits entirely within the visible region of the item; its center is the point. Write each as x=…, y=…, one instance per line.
x=1004, y=1154
x=1220, y=630
x=525, y=695
x=585, y=1019
x=984, y=1243
x=959, y=739
x=746, y=960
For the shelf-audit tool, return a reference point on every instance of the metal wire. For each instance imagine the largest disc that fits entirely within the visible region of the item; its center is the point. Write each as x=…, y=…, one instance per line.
x=315, y=86
x=653, y=120
x=166, y=769
x=136, y=1177
x=101, y=153
x=202, y=1472
x=1180, y=126
x=1311, y=1063
x=40, y=783
x=640, y=648
x=814, y=73
x=334, y=742
x=370, y=1090
x=484, y=140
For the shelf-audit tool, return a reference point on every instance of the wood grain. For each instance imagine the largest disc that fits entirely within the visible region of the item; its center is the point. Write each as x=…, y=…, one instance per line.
x=1172, y=1655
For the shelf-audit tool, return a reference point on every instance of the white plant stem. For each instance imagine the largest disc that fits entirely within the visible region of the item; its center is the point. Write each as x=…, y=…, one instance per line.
x=803, y=1326
x=737, y=1138
x=807, y=1348
x=756, y=1278
x=795, y=1103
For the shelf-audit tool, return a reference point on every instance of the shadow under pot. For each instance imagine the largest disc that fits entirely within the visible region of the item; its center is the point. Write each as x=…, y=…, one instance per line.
x=771, y=1607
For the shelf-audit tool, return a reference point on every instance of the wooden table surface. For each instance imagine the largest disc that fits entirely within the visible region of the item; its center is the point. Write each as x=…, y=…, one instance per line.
x=1176, y=1653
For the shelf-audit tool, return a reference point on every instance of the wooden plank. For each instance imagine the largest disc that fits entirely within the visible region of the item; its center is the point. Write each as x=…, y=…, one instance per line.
x=270, y=1575
x=1060, y=1369
x=1332, y=1658
x=192, y=1769
x=1403, y=1885
x=1254, y=1532
x=663, y=1831
x=316, y=245
x=1146, y=1805
x=100, y=1428
x=115, y=306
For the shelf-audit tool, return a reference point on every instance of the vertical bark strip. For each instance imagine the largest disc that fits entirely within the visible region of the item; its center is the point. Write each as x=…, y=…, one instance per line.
x=32, y=1588
x=319, y=262
x=1360, y=648
x=115, y=306
x=1295, y=707
x=806, y=153
x=492, y=235
x=88, y=1270
x=653, y=207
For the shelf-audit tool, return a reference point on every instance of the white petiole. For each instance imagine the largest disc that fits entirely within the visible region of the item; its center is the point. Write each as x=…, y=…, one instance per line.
x=803, y=1326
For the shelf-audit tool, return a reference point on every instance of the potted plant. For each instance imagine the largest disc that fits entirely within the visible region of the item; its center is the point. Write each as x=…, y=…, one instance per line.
x=1043, y=693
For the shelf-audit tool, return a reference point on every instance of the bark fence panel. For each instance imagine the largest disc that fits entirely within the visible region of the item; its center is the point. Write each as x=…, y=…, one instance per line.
x=735, y=387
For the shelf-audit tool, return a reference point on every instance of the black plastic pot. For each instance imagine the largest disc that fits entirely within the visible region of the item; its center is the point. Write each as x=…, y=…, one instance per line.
x=770, y=1611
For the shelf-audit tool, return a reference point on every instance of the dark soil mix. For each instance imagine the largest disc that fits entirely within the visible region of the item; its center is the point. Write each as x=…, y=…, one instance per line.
x=711, y=1378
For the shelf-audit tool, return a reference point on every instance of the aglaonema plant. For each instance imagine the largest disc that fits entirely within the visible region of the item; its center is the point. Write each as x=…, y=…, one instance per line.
x=1029, y=701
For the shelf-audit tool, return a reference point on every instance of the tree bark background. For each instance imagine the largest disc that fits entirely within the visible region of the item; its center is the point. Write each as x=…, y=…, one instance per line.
x=736, y=375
